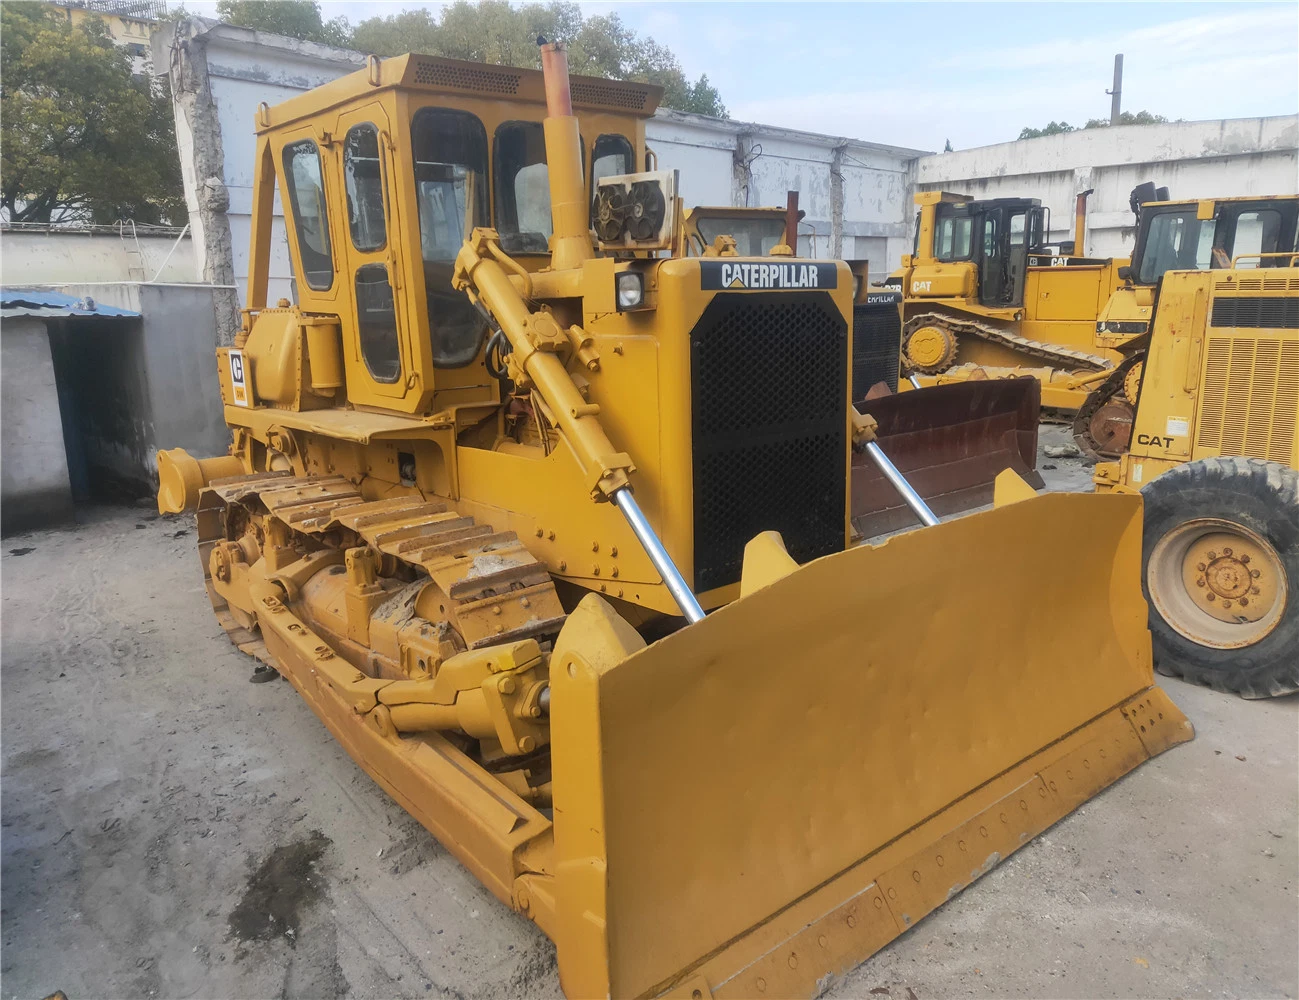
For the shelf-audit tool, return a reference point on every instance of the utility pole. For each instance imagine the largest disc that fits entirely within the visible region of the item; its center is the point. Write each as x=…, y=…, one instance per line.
x=1116, y=95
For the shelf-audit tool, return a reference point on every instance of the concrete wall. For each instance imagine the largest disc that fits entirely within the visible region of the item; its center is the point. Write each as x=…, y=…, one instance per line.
x=132, y=389
x=34, y=486
x=51, y=256
x=855, y=194
x=1238, y=156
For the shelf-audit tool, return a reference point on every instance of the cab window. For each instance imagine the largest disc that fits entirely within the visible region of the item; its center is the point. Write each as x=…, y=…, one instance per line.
x=1176, y=241
x=364, y=184
x=611, y=156
x=1257, y=233
x=310, y=221
x=952, y=234
x=522, y=184
x=376, y=320
x=450, y=154
x=753, y=237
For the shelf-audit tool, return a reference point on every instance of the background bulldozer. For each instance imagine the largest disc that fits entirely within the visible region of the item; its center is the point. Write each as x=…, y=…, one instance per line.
x=987, y=295
x=551, y=529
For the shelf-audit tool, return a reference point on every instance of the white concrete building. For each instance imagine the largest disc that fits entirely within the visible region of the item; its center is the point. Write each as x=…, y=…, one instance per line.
x=1232, y=157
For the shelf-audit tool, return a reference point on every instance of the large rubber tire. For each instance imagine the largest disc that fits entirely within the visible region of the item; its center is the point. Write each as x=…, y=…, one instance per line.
x=1262, y=498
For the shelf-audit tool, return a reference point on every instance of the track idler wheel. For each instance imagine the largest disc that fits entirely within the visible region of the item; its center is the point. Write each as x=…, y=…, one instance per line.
x=1102, y=427
x=929, y=349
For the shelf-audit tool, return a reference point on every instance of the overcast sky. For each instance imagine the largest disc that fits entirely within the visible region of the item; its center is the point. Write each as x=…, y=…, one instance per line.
x=916, y=74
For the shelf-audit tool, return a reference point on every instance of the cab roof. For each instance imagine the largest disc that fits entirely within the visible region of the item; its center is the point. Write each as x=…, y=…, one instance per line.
x=431, y=74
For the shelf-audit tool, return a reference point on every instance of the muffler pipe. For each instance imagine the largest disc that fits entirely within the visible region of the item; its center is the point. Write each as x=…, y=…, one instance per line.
x=676, y=583
x=899, y=482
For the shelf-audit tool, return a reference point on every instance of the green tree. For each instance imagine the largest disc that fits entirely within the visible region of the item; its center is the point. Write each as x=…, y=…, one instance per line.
x=1125, y=118
x=82, y=139
x=495, y=31
x=295, y=18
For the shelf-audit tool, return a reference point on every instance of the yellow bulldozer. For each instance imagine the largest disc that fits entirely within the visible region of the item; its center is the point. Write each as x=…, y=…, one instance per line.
x=1213, y=446
x=986, y=295
x=548, y=521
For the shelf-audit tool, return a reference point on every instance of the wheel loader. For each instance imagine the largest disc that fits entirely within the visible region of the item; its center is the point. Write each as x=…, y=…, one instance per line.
x=1214, y=449
x=987, y=295
x=550, y=527
x=1172, y=236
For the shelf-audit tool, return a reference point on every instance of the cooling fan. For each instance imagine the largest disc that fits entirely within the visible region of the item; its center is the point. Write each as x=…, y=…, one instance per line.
x=635, y=211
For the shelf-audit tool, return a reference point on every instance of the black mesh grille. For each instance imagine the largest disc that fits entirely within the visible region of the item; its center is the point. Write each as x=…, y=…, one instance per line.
x=769, y=375
x=876, y=340
x=1270, y=313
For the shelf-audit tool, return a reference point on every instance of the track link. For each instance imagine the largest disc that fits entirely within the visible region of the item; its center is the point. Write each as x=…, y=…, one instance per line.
x=475, y=567
x=1062, y=357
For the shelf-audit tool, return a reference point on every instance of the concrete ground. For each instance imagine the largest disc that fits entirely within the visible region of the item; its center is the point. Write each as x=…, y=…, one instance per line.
x=171, y=830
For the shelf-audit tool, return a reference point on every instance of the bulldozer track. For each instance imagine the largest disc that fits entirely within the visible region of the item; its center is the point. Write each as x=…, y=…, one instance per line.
x=475, y=567
x=1109, y=389
x=1064, y=357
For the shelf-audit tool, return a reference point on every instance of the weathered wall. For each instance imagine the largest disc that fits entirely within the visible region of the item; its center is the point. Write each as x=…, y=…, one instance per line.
x=39, y=257
x=855, y=194
x=1238, y=156
x=131, y=390
x=34, y=486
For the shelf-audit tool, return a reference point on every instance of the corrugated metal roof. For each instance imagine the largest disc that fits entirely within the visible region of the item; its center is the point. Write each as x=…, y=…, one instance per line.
x=40, y=302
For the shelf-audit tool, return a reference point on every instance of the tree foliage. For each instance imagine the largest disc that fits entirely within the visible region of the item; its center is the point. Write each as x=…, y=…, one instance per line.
x=495, y=31
x=295, y=18
x=83, y=139
x=1125, y=118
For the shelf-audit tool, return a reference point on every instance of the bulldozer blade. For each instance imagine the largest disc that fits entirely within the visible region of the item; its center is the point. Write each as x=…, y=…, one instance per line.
x=950, y=441
x=758, y=802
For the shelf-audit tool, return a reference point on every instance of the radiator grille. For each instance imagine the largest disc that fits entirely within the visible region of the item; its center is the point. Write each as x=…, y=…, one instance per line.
x=769, y=393
x=1250, y=399
x=477, y=78
x=876, y=340
x=1267, y=312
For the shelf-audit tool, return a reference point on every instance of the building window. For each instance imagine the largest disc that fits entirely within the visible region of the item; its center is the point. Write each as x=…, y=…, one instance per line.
x=310, y=219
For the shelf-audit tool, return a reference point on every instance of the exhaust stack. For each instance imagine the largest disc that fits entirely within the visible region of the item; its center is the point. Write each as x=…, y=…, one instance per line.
x=1080, y=223
x=570, y=242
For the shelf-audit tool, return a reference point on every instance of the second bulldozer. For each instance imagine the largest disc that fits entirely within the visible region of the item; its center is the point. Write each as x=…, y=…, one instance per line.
x=551, y=529
x=986, y=295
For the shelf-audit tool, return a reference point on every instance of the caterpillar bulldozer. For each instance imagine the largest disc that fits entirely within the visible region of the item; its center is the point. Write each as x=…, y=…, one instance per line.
x=1207, y=234
x=1213, y=446
x=986, y=295
x=551, y=529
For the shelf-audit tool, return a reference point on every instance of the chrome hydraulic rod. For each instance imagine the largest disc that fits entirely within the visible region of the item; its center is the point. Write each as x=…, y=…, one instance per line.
x=904, y=488
x=672, y=578
x=915, y=381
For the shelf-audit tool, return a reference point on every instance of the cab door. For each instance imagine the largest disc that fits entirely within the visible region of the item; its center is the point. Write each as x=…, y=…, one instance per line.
x=379, y=361
x=1001, y=250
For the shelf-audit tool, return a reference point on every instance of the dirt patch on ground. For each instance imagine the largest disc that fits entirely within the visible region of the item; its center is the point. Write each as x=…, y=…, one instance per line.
x=283, y=886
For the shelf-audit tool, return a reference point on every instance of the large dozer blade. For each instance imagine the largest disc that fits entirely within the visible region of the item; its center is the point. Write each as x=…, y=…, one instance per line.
x=950, y=441
x=760, y=801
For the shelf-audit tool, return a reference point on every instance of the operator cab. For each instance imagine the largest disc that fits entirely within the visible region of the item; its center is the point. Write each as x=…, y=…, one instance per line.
x=997, y=235
x=1214, y=234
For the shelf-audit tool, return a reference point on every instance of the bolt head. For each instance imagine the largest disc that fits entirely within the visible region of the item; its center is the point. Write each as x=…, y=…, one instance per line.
x=1213, y=555
x=1254, y=590
x=1226, y=602
x=1244, y=557
x=1255, y=573
x=1200, y=582
x=1201, y=567
x=1226, y=550
x=1209, y=597
x=1244, y=602
x=507, y=685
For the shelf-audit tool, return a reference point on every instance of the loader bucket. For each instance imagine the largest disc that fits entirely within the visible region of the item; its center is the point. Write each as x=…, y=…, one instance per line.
x=755, y=804
x=950, y=441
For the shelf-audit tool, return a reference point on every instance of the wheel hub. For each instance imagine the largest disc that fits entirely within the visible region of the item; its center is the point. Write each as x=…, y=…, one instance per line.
x=1110, y=426
x=1228, y=575
x=1217, y=582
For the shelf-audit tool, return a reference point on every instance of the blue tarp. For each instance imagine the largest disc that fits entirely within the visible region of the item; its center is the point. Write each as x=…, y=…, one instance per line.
x=42, y=302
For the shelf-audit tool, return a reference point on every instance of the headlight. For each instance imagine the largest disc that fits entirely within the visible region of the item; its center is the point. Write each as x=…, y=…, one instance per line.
x=631, y=290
